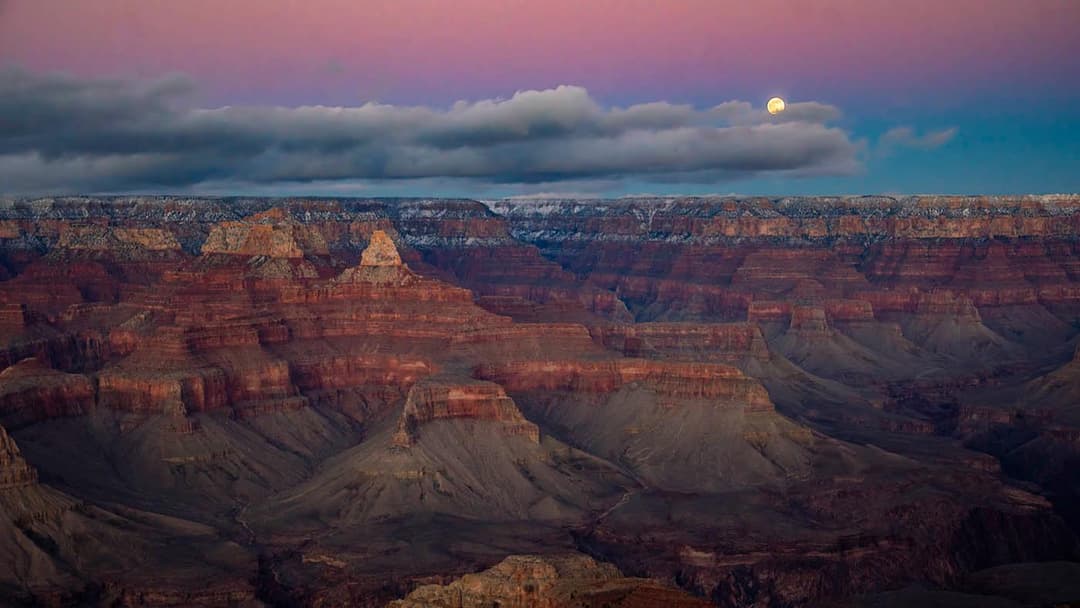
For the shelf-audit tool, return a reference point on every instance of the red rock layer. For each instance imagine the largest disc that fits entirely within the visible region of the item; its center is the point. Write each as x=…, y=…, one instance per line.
x=515, y=280
x=689, y=380
x=916, y=301
x=50, y=287
x=30, y=391
x=730, y=342
x=443, y=400
x=343, y=371
x=205, y=348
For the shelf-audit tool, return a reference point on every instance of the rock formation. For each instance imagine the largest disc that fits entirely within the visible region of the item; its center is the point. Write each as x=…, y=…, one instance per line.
x=380, y=251
x=272, y=233
x=379, y=263
x=763, y=401
x=31, y=392
x=432, y=400
x=554, y=581
x=14, y=472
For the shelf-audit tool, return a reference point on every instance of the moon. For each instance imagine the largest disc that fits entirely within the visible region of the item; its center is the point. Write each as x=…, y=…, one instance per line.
x=775, y=105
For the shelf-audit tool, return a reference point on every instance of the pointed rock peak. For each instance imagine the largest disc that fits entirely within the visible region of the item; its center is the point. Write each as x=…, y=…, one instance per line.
x=380, y=251
x=380, y=264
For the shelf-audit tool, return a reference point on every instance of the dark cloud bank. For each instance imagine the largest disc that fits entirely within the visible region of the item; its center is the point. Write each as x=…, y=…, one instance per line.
x=60, y=134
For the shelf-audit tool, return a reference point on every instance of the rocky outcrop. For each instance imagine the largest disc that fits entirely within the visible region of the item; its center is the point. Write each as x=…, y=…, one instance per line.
x=14, y=472
x=808, y=320
x=184, y=370
x=473, y=400
x=31, y=392
x=379, y=263
x=380, y=251
x=554, y=581
x=273, y=233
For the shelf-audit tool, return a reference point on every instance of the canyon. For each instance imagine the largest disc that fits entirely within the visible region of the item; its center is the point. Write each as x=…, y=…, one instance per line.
x=684, y=401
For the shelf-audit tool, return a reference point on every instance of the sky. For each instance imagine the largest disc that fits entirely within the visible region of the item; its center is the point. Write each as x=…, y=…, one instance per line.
x=491, y=98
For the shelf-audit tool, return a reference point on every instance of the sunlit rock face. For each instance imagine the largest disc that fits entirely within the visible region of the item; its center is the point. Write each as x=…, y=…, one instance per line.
x=768, y=402
x=380, y=251
x=273, y=233
x=379, y=263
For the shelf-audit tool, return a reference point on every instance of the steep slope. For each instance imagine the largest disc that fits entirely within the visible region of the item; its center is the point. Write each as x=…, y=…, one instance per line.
x=811, y=343
x=60, y=550
x=682, y=427
x=459, y=447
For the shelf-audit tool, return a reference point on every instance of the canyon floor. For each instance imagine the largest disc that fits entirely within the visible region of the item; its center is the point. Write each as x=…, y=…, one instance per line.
x=851, y=401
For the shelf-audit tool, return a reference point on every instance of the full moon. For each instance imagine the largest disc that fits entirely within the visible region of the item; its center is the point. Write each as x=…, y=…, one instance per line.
x=775, y=105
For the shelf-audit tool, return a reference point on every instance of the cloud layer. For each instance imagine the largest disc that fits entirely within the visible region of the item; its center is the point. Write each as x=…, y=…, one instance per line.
x=60, y=134
x=906, y=137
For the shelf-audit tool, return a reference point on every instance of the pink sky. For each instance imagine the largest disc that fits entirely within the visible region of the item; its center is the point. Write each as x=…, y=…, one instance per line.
x=341, y=51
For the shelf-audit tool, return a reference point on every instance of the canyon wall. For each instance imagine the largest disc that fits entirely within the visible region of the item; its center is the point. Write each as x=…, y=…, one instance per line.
x=738, y=396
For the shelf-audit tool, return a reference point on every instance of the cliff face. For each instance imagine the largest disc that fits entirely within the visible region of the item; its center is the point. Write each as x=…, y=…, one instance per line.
x=708, y=381
x=738, y=396
x=273, y=233
x=31, y=391
x=918, y=217
x=432, y=400
x=710, y=259
x=14, y=472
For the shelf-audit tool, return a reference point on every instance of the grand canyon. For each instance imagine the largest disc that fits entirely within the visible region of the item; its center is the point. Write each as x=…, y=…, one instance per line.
x=645, y=401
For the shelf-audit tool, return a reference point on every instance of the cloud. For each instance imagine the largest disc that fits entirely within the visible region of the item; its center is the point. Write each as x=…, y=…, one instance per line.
x=907, y=138
x=62, y=134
